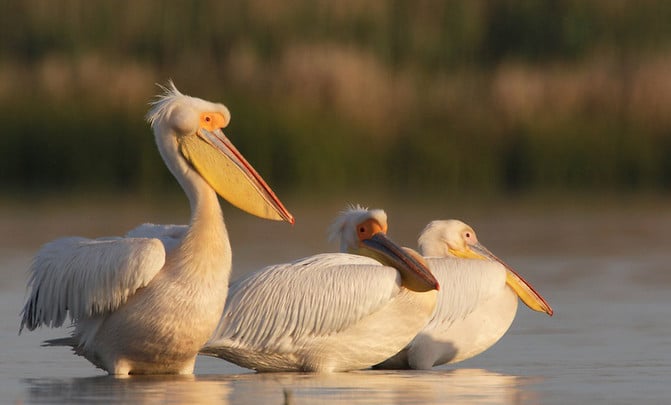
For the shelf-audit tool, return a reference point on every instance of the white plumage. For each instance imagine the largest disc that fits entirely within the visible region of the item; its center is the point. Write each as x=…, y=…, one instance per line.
x=147, y=302
x=62, y=269
x=329, y=312
x=169, y=235
x=476, y=304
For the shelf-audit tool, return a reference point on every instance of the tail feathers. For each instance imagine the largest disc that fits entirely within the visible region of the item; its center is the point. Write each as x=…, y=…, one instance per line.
x=66, y=341
x=209, y=351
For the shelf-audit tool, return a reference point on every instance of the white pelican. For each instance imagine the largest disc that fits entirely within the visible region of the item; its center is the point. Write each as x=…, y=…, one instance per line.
x=476, y=304
x=140, y=306
x=329, y=312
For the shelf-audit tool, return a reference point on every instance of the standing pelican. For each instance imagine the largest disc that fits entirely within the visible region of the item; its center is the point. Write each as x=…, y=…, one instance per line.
x=476, y=304
x=139, y=305
x=329, y=312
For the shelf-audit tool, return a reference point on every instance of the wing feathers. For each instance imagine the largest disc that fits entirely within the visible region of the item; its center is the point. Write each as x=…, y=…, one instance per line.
x=85, y=277
x=316, y=296
x=170, y=235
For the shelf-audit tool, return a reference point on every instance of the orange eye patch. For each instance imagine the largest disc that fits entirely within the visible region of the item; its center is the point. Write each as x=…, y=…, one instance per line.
x=368, y=228
x=213, y=120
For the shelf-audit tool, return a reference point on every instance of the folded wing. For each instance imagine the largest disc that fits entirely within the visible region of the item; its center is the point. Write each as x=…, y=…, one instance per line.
x=291, y=303
x=87, y=277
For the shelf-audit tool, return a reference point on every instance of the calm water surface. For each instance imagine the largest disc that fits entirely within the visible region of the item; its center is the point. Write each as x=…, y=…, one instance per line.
x=605, y=272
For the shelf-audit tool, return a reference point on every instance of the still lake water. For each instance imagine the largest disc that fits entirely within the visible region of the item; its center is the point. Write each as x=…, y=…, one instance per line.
x=603, y=268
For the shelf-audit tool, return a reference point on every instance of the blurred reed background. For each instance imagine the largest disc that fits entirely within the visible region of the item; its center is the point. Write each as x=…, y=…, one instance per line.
x=493, y=98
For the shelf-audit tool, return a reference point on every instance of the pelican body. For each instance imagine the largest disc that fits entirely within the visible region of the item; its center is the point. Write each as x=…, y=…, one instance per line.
x=329, y=312
x=477, y=302
x=146, y=303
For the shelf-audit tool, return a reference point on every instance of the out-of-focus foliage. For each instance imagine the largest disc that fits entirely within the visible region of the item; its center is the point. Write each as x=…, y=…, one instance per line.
x=493, y=96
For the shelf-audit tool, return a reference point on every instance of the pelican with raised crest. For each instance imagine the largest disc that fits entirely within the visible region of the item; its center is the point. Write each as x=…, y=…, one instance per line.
x=147, y=302
x=329, y=312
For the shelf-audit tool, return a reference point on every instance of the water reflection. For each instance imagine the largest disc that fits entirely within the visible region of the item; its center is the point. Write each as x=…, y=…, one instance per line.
x=465, y=386
x=130, y=390
x=462, y=385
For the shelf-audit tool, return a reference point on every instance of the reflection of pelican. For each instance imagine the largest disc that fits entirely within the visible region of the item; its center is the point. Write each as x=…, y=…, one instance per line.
x=461, y=386
x=147, y=303
x=329, y=312
x=476, y=304
x=151, y=389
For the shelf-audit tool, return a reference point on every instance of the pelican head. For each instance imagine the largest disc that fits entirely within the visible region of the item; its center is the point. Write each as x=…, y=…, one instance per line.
x=352, y=223
x=189, y=136
x=448, y=238
x=363, y=232
x=454, y=238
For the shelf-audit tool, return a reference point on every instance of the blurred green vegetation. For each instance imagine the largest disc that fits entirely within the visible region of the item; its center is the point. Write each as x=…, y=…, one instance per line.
x=483, y=96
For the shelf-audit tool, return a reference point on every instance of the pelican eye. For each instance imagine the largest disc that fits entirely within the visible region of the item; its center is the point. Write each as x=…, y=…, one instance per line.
x=368, y=228
x=363, y=232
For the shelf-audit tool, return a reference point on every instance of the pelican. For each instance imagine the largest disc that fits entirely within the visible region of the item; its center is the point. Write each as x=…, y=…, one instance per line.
x=145, y=304
x=476, y=304
x=329, y=312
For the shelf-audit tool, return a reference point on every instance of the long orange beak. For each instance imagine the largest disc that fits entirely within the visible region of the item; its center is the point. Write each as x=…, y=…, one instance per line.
x=524, y=290
x=415, y=274
x=230, y=175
